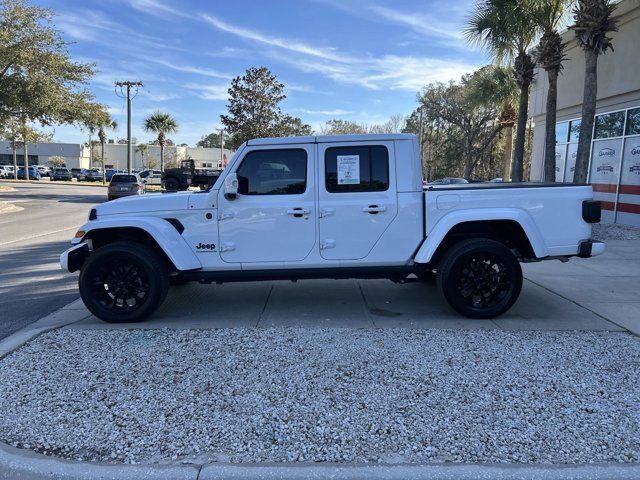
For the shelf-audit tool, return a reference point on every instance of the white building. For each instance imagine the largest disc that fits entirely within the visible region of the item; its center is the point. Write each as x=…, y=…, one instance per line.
x=75, y=155
x=79, y=155
x=614, y=168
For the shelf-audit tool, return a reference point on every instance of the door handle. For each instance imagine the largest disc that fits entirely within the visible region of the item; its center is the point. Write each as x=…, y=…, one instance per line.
x=299, y=212
x=373, y=209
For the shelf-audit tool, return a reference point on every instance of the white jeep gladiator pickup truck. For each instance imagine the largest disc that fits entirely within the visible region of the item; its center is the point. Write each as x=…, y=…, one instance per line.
x=349, y=206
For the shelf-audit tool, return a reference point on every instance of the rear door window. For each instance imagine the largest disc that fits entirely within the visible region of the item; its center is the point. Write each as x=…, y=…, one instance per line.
x=357, y=169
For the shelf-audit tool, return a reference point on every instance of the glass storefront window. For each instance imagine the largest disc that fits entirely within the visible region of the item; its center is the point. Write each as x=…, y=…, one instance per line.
x=609, y=125
x=574, y=130
x=562, y=132
x=561, y=151
x=633, y=122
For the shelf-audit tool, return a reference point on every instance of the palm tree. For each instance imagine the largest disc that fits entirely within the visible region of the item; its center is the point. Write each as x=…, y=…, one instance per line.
x=107, y=124
x=161, y=123
x=507, y=28
x=593, y=23
x=142, y=149
x=549, y=54
x=494, y=84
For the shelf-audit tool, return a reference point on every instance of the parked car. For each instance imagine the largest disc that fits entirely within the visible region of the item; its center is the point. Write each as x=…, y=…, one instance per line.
x=111, y=172
x=339, y=206
x=44, y=170
x=151, y=177
x=6, y=171
x=93, y=175
x=124, y=185
x=79, y=174
x=34, y=174
x=449, y=181
x=60, y=174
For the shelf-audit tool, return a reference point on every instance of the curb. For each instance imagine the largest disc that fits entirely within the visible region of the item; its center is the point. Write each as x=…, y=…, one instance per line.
x=420, y=472
x=17, y=464
x=21, y=464
x=7, y=207
x=71, y=313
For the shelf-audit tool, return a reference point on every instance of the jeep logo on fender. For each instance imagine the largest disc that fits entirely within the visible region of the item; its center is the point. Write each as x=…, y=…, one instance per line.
x=607, y=152
x=204, y=247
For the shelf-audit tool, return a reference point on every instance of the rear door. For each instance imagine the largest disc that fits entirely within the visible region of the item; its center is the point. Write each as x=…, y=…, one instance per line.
x=357, y=197
x=272, y=219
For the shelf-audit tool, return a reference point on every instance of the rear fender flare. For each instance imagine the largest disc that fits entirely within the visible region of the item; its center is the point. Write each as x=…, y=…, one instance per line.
x=446, y=223
x=164, y=233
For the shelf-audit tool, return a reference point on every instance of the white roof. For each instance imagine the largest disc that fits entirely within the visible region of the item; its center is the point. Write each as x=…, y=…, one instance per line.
x=331, y=138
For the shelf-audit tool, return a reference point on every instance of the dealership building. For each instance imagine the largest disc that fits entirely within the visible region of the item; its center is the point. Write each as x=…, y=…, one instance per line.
x=79, y=155
x=614, y=169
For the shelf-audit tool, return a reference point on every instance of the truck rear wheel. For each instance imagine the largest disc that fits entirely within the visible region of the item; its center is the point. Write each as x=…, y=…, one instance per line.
x=480, y=278
x=171, y=185
x=123, y=282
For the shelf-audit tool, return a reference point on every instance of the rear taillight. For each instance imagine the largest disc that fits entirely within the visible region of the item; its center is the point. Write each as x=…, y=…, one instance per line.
x=591, y=211
x=136, y=186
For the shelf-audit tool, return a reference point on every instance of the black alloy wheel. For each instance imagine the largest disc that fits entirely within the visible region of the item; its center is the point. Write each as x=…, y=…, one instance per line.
x=480, y=278
x=123, y=282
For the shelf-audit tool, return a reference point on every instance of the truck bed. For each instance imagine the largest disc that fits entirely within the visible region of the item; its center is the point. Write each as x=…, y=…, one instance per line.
x=550, y=213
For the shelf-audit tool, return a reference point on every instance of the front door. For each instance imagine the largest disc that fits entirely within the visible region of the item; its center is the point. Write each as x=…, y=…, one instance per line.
x=272, y=219
x=357, y=197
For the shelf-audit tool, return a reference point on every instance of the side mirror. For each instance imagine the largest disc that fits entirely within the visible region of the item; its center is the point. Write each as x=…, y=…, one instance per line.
x=231, y=186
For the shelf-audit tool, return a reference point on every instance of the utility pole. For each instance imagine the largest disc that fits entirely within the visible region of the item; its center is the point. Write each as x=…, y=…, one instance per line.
x=422, y=163
x=121, y=86
x=221, y=162
x=221, y=147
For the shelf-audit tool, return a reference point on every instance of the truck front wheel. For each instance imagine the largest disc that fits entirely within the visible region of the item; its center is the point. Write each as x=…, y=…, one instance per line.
x=123, y=282
x=480, y=278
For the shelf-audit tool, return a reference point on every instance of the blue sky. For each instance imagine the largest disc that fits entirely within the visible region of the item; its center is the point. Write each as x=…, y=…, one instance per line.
x=351, y=59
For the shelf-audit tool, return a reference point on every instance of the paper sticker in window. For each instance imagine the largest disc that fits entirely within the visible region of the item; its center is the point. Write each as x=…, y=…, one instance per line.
x=348, y=169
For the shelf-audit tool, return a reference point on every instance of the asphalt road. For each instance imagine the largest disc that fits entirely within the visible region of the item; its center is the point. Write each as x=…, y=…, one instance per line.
x=31, y=282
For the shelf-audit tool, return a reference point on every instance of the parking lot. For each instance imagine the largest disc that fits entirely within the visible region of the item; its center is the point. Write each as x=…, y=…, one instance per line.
x=30, y=244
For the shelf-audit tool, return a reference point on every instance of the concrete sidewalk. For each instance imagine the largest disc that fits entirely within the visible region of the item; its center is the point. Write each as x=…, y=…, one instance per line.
x=584, y=294
x=606, y=285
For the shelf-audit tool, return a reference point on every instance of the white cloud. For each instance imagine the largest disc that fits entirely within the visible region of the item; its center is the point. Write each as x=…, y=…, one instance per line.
x=207, y=72
x=329, y=113
x=420, y=23
x=156, y=8
x=287, y=44
x=393, y=72
x=209, y=92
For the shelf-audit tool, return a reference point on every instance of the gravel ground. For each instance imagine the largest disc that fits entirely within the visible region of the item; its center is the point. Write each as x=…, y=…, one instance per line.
x=331, y=395
x=609, y=231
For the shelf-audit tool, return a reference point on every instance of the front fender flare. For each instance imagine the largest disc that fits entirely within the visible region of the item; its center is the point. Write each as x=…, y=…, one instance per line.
x=164, y=233
x=445, y=224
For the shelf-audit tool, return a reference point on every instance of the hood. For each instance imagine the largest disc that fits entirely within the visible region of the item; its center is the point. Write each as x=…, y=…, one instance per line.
x=153, y=202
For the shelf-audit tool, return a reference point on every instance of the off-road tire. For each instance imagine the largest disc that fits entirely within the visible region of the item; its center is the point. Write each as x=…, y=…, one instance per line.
x=487, y=269
x=171, y=185
x=110, y=263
